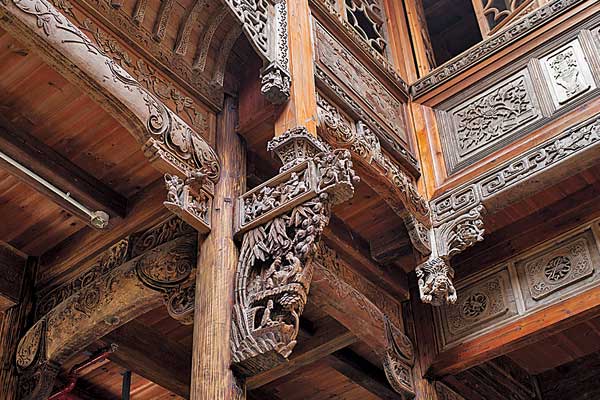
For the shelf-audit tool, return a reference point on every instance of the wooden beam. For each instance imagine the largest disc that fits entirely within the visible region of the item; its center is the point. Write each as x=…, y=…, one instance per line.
x=152, y=356
x=40, y=158
x=328, y=339
x=212, y=377
x=519, y=333
x=58, y=265
x=12, y=270
x=362, y=373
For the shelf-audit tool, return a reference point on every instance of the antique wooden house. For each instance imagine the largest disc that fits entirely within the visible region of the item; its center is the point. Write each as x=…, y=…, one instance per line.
x=300, y=199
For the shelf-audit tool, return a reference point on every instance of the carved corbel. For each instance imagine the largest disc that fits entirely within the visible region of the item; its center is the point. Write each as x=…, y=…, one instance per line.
x=134, y=276
x=385, y=175
x=455, y=234
x=265, y=23
x=281, y=222
x=190, y=199
x=399, y=360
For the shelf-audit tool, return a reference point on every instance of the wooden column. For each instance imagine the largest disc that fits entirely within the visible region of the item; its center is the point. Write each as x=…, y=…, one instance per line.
x=301, y=109
x=212, y=377
x=13, y=325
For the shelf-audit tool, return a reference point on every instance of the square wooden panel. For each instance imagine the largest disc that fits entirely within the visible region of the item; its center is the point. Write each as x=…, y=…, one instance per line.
x=481, y=304
x=559, y=270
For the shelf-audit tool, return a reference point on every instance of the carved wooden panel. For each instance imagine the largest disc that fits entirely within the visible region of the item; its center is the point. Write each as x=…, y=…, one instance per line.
x=481, y=304
x=524, y=96
x=561, y=268
x=339, y=63
x=491, y=117
x=567, y=73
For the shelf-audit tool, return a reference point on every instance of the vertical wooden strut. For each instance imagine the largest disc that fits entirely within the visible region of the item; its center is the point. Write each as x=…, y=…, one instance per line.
x=13, y=324
x=301, y=109
x=212, y=377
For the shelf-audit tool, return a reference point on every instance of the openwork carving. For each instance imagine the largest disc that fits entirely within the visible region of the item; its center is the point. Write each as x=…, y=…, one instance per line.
x=435, y=282
x=282, y=221
x=367, y=18
x=399, y=189
x=265, y=23
x=159, y=267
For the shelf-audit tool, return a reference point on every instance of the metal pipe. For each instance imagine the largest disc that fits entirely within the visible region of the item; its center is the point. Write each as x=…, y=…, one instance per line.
x=98, y=219
x=75, y=373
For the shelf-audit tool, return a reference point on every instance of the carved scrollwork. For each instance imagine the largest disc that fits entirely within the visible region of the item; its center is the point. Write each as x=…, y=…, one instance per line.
x=275, y=265
x=158, y=267
x=265, y=23
x=398, y=361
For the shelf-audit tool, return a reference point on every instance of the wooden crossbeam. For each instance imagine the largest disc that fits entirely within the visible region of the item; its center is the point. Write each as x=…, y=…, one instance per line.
x=519, y=333
x=152, y=356
x=44, y=161
x=328, y=339
x=362, y=373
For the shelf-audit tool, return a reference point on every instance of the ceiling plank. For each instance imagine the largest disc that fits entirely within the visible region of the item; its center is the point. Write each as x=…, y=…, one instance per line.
x=152, y=356
x=40, y=158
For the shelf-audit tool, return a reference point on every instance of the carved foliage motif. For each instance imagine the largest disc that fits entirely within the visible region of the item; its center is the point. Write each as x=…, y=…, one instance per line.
x=275, y=265
x=493, y=115
x=568, y=72
x=348, y=69
x=559, y=268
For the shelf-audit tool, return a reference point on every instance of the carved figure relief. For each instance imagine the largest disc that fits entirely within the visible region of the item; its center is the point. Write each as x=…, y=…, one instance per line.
x=568, y=73
x=494, y=114
x=190, y=200
x=559, y=267
x=275, y=265
x=435, y=282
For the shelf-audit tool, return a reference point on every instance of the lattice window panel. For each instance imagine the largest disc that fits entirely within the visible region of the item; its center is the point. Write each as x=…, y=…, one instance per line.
x=367, y=18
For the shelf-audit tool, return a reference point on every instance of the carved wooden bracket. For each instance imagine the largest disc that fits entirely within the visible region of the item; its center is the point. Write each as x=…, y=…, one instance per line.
x=349, y=306
x=132, y=277
x=171, y=145
x=281, y=221
x=190, y=200
x=383, y=174
x=265, y=23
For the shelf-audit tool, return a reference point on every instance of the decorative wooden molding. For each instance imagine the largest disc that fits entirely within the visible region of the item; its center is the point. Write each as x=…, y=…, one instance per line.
x=265, y=23
x=458, y=216
x=281, y=222
x=355, y=311
x=494, y=44
x=388, y=178
x=140, y=273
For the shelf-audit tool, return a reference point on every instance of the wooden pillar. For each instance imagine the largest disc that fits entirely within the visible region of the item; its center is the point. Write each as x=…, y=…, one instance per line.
x=301, y=109
x=212, y=377
x=13, y=325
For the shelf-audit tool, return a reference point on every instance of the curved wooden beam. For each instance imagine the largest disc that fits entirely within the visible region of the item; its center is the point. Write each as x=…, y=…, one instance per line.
x=140, y=273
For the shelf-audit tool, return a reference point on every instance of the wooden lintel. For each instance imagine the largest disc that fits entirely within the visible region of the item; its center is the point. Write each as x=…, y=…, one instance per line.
x=327, y=340
x=44, y=161
x=528, y=329
x=155, y=357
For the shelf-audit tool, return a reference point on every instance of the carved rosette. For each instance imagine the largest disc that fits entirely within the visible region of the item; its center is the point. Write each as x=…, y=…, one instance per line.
x=281, y=222
x=158, y=268
x=399, y=360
